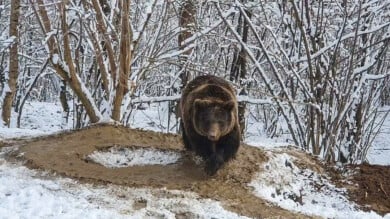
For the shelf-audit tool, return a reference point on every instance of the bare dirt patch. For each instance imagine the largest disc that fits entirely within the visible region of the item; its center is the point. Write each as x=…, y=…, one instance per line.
x=368, y=186
x=66, y=154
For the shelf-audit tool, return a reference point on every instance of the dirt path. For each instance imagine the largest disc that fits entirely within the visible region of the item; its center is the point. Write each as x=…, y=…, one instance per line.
x=66, y=154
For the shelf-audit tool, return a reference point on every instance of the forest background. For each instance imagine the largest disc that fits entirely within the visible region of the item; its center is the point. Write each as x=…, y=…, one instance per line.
x=316, y=71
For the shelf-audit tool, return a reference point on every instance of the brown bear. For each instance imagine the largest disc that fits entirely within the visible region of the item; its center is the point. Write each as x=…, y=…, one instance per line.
x=209, y=120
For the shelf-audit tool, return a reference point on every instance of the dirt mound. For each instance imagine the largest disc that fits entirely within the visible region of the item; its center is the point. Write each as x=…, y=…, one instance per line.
x=67, y=154
x=374, y=187
x=368, y=186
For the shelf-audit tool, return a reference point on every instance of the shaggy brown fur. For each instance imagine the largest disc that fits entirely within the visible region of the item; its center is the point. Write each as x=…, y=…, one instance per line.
x=210, y=121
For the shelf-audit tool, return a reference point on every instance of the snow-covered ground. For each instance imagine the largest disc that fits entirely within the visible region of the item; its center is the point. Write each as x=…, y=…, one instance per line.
x=122, y=157
x=37, y=119
x=304, y=191
x=379, y=153
x=26, y=193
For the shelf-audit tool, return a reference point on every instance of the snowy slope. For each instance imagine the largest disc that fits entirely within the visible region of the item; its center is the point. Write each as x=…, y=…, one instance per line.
x=289, y=187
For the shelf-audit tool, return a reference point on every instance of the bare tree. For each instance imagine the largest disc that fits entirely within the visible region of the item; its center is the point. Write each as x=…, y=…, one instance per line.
x=187, y=24
x=319, y=76
x=316, y=71
x=125, y=58
x=238, y=72
x=13, y=63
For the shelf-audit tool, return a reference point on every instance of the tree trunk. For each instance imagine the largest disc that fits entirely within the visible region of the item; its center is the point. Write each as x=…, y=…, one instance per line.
x=13, y=62
x=122, y=87
x=238, y=70
x=71, y=75
x=66, y=72
x=64, y=100
x=187, y=23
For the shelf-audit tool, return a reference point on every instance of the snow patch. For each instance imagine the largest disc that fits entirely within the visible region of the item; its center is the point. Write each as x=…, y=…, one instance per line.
x=154, y=118
x=117, y=157
x=39, y=117
x=8, y=133
x=303, y=190
x=55, y=58
x=379, y=152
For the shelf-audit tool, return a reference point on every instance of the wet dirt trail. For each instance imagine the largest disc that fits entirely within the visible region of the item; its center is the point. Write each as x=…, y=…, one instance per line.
x=66, y=154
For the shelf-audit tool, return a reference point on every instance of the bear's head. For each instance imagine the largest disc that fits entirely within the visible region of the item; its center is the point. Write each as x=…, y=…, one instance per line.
x=213, y=118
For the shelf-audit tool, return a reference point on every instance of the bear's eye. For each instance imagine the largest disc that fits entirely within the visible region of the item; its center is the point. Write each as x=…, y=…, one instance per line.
x=224, y=116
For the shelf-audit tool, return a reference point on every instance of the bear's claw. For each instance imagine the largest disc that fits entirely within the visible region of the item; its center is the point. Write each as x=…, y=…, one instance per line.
x=213, y=164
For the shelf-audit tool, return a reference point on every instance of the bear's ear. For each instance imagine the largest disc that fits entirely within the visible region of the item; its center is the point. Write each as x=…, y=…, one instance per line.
x=229, y=105
x=201, y=103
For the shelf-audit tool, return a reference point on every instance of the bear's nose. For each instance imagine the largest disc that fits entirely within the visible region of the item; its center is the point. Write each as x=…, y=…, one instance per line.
x=213, y=133
x=212, y=136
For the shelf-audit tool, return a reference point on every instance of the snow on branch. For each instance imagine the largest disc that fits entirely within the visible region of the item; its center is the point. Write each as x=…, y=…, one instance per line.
x=225, y=15
x=155, y=99
x=5, y=43
x=267, y=80
x=190, y=42
x=350, y=35
x=57, y=62
x=240, y=98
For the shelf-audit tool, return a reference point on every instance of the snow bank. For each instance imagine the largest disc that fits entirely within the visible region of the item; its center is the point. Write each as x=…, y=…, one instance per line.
x=303, y=190
x=117, y=157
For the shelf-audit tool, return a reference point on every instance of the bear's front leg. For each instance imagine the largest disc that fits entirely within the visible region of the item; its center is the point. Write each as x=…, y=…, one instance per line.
x=215, y=161
x=185, y=139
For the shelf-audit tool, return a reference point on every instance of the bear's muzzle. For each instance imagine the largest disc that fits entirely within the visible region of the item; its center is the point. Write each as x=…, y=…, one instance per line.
x=214, y=133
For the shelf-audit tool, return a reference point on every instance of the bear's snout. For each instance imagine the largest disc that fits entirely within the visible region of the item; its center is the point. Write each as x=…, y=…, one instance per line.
x=213, y=133
x=212, y=137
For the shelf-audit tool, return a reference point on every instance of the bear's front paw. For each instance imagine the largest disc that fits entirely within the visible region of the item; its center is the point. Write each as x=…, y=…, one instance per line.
x=213, y=164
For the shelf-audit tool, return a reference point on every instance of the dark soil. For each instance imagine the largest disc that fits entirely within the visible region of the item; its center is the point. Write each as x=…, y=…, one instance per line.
x=367, y=185
x=372, y=190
